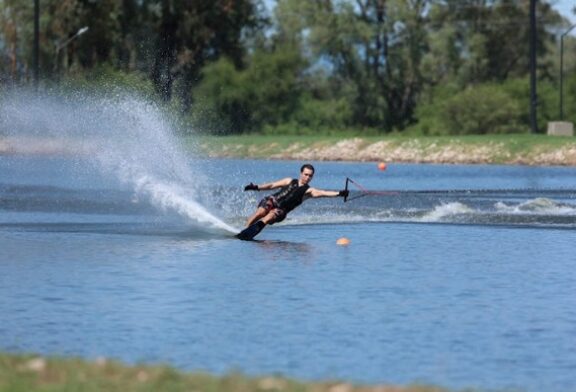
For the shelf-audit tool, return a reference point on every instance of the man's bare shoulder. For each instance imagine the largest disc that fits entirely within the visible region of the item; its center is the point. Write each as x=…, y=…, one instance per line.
x=283, y=182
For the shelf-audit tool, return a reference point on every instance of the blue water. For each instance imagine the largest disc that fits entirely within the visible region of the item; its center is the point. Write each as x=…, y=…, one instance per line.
x=117, y=242
x=457, y=276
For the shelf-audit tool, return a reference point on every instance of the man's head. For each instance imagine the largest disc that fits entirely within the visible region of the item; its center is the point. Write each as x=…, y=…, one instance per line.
x=306, y=173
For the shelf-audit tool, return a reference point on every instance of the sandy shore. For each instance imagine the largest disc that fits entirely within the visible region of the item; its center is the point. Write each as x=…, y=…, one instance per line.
x=408, y=151
x=355, y=149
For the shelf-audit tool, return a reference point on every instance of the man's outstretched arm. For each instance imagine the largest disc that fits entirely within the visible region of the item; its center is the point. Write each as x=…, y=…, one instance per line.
x=312, y=192
x=268, y=185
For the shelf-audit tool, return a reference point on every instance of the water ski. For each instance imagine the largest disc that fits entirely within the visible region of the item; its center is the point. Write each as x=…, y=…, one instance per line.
x=251, y=231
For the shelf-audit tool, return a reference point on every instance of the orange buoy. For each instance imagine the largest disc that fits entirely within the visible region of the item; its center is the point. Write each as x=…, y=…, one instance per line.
x=343, y=241
x=382, y=166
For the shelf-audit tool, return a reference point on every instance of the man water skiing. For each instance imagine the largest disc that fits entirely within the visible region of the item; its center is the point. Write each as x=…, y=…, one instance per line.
x=292, y=193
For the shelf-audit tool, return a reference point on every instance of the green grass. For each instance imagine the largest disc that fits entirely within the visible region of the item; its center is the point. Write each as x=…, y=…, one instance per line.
x=517, y=148
x=27, y=373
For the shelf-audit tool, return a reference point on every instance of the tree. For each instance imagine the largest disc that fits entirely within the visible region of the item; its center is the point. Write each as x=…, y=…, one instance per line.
x=15, y=55
x=192, y=33
x=266, y=92
x=484, y=40
x=372, y=48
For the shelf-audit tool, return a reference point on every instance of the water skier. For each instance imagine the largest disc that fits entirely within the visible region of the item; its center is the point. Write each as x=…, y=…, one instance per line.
x=292, y=193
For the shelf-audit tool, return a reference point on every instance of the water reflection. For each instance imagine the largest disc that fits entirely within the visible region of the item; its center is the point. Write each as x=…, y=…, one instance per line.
x=285, y=250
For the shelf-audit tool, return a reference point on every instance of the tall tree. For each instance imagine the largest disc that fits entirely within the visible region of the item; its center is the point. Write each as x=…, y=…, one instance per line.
x=191, y=33
x=15, y=53
x=374, y=47
x=67, y=17
x=484, y=40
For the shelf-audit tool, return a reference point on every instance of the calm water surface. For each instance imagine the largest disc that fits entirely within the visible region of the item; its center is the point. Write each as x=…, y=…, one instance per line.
x=458, y=276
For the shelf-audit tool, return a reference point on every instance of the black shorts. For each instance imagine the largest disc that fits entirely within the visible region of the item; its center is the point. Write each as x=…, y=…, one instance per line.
x=269, y=204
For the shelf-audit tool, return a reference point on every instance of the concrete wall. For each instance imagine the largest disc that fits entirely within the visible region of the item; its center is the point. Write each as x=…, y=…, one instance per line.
x=560, y=128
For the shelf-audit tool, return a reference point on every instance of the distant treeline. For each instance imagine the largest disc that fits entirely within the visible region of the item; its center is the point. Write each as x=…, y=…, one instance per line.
x=303, y=66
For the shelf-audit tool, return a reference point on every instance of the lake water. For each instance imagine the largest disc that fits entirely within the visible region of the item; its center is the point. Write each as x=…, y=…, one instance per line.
x=458, y=276
x=121, y=245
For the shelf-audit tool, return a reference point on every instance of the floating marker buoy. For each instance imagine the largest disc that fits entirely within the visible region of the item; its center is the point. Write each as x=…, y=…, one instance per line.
x=343, y=241
x=382, y=166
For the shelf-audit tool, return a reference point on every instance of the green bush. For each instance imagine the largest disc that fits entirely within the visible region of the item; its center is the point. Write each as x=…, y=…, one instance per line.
x=429, y=111
x=274, y=79
x=570, y=98
x=547, y=106
x=266, y=93
x=221, y=100
x=319, y=114
x=481, y=110
x=476, y=110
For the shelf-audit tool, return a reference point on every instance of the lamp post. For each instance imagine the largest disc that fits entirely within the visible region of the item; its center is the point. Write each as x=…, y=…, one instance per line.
x=36, y=48
x=533, y=93
x=562, y=70
x=62, y=45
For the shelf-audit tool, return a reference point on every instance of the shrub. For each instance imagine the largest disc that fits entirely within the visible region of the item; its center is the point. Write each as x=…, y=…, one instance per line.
x=480, y=110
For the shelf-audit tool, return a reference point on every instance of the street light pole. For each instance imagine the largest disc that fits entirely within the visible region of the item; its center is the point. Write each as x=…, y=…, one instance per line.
x=36, y=59
x=61, y=46
x=562, y=71
x=533, y=94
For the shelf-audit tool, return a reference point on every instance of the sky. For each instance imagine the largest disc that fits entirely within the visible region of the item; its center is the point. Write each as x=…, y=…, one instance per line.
x=565, y=7
x=562, y=6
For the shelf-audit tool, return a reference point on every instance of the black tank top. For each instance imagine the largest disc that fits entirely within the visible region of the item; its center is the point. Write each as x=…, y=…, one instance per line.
x=290, y=196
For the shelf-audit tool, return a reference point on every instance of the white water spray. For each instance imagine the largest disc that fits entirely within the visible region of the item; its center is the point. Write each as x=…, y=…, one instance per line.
x=538, y=206
x=123, y=136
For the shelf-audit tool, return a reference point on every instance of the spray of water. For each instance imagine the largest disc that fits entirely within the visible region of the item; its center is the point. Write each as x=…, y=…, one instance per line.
x=123, y=136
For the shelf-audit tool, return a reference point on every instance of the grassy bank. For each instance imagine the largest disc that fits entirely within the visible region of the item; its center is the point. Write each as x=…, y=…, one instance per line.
x=487, y=149
x=25, y=373
x=491, y=149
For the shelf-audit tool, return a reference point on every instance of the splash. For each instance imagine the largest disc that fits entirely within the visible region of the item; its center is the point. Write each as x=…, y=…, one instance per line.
x=446, y=210
x=463, y=209
x=540, y=205
x=123, y=136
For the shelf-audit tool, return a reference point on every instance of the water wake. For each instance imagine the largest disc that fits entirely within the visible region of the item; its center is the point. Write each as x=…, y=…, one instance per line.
x=501, y=208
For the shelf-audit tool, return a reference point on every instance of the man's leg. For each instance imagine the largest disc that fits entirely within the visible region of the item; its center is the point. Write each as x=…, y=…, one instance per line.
x=270, y=218
x=254, y=228
x=260, y=213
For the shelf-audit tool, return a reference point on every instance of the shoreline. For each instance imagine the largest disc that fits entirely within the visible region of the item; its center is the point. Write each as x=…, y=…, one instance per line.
x=407, y=150
x=543, y=152
x=32, y=372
